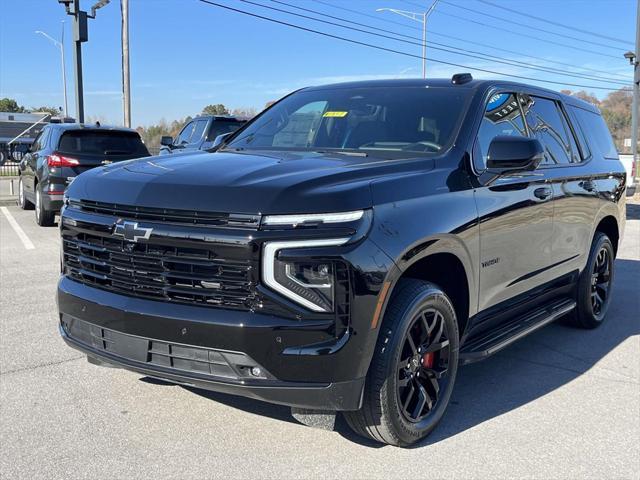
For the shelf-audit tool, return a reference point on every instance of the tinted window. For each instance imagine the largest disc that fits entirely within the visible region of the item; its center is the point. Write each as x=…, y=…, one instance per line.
x=385, y=121
x=101, y=143
x=575, y=152
x=37, y=142
x=595, y=129
x=220, y=127
x=502, y=117
x=198, y=130
x=546, y=123
x=185, y=134
x=577, y=128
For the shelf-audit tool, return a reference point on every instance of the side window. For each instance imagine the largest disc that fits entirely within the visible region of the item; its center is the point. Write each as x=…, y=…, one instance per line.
x=44, y=140
x=595, y=128
x=571, y=135
x=577, y=128
x=501, y=117
x=546, y=123
x=35, y=146
x=185, y=134
x=198, y=130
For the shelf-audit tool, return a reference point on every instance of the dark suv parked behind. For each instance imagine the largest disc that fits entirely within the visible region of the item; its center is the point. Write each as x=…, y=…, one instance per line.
x=60, y=152
x=350, y=247
x=200, y=133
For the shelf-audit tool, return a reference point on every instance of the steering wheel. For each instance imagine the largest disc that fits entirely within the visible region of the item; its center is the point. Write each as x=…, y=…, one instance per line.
x=425, y=144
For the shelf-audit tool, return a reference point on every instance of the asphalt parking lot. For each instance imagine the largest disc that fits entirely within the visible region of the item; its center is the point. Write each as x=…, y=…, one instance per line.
x=562, y=403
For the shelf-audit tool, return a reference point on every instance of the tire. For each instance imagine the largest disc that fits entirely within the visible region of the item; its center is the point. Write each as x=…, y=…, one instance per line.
x=44, y=217
x=594, y=285
x=417, y=307
x=22, y=199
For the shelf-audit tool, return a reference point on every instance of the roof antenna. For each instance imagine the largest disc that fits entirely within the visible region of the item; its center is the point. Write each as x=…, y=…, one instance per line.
x=97, y=124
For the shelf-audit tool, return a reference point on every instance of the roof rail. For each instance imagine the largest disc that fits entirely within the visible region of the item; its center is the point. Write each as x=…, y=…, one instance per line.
x=461, y=78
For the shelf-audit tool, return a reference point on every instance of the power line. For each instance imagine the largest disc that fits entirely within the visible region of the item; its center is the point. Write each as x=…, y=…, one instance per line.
x=447, y=48
x=512, y=22
x=390, y=50
x=533, y=37
x=551, y=22
x=434, y=32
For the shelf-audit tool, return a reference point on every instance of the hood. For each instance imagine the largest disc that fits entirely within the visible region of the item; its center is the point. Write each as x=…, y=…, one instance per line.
x=242, y=182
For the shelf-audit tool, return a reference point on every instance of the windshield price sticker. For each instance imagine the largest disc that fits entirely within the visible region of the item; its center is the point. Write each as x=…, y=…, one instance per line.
x=335, y=114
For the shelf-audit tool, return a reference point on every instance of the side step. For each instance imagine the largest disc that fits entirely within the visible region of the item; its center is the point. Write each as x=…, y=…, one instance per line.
x=493, y=341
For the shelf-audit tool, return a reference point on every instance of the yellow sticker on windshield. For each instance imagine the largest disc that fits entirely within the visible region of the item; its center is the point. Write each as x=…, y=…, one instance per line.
x=335, y=114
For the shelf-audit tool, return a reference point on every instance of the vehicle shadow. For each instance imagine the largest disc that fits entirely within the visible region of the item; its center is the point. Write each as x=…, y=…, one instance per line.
x=522, y=373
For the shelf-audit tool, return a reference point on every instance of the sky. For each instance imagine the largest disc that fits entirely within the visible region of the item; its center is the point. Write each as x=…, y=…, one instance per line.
x=186, y=54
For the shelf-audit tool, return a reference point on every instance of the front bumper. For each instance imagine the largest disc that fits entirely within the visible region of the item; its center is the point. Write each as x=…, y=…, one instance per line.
x=213, y=349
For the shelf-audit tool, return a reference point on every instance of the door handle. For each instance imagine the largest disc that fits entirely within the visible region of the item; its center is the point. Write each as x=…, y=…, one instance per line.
x=542, y=193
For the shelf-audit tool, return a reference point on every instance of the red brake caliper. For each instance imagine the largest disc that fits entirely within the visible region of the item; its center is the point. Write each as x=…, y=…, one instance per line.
x=427, y=360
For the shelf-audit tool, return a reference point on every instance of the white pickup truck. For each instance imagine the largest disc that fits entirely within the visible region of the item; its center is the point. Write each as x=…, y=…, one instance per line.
x=627, y=161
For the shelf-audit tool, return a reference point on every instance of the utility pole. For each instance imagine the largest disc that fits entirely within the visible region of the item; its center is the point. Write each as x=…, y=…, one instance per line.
x=60, y=45
x=80, y=35
x=417, y=17
x=636, y=93
x=126, y=83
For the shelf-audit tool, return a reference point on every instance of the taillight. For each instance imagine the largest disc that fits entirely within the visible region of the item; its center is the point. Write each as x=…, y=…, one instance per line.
x=57, y=160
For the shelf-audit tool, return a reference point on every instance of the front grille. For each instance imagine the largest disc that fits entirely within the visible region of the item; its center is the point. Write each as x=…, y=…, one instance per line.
x=166, y=215
x=159, y=272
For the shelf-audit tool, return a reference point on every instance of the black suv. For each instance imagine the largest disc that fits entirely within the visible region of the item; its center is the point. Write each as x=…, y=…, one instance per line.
x=201, y=133
x=350, y=247
x=60, y=152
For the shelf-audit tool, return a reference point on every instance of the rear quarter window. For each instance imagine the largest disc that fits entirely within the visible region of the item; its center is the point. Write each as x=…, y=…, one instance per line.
x=596, y=132
x=102, y=143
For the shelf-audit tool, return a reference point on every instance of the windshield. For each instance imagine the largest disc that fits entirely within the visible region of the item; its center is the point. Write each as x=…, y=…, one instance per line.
x=375, y=120
x=103, y=142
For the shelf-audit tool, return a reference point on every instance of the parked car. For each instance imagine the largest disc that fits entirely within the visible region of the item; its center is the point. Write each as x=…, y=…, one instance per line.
x=350, y=247
x=200, y=133
x=630, y=168
x=60, y=152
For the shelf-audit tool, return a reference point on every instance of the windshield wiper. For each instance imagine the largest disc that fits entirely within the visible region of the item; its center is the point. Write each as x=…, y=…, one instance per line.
x=344, y=152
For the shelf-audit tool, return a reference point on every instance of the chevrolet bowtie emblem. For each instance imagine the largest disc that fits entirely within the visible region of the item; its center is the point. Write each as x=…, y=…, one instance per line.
x=130, y=231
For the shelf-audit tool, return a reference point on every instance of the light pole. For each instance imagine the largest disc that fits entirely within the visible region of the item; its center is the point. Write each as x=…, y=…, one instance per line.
x=60, y=45
x=417, y=17
x=634, y=59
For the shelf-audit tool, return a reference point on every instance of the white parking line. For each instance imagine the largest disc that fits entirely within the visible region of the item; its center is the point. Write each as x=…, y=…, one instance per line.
x=16, y=228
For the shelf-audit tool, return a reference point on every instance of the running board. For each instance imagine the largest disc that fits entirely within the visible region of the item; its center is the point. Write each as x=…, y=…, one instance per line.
x=495, y=340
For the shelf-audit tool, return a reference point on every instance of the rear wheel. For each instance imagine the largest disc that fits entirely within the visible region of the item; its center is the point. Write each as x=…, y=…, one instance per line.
x=413, y=369
x=44, y=217
x=594, y=285
x=22, y=199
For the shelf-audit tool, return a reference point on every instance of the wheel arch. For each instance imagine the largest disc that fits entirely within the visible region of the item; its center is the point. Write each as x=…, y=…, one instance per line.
x=609, y=226
x=445, y=262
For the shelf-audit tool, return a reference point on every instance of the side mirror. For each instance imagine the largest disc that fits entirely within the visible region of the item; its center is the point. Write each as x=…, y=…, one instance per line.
x=166, y=140
x=510, y=154
x=220, y=139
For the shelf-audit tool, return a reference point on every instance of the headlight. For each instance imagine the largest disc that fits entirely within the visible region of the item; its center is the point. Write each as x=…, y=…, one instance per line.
x=309, y=283
x=297, y=219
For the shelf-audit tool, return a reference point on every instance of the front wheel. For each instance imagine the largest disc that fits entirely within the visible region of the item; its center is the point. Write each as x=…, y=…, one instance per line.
x=413, y=369
x=44, y=217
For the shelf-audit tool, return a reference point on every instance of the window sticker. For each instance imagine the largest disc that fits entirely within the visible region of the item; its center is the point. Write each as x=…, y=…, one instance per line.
x=335, y=114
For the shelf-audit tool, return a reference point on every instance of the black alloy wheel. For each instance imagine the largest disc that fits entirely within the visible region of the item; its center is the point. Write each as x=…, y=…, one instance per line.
x=424, y=365
x=601, y=281
x=595, y=284
x=413, y=369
